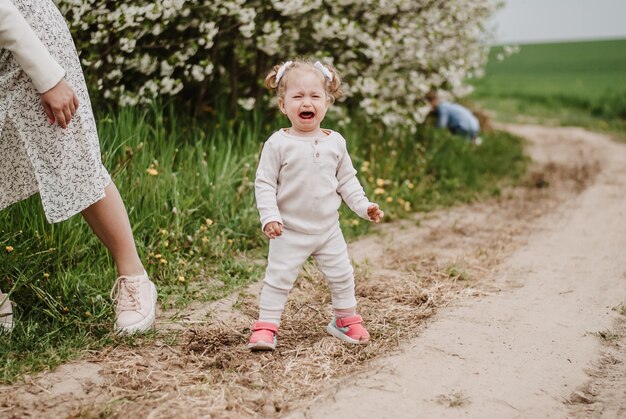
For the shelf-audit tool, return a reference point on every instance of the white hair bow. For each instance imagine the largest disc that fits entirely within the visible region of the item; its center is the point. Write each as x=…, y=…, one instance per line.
x=281, y=71
x=325, y=71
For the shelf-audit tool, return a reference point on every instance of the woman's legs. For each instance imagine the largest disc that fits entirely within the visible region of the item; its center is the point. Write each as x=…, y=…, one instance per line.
x=135, y=295
x=109, y=221
x=6, y=313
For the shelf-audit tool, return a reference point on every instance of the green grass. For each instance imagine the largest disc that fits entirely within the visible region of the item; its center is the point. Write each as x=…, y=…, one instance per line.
x=575, y=83
x=188, y=188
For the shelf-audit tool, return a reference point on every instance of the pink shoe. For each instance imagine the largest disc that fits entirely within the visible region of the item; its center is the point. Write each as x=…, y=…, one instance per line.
x=349, y=329
x=135, y=303
x=263, y=336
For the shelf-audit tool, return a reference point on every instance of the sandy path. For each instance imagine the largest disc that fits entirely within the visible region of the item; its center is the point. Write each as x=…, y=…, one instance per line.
x=526, y=351
x=532, y=276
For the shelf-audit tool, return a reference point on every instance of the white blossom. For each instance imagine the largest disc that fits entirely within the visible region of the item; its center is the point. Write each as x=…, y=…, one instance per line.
x=166, y=68
x=390, y=53
x=247, y=103
x=127, y=45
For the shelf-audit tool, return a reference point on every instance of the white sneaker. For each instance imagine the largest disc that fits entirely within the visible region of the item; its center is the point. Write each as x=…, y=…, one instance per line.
x=6, y=313
x=135, y=303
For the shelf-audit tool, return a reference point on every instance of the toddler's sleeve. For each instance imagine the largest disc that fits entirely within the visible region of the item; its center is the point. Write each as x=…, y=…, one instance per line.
x=32, y=56
x=266, y=185
x=350, y=188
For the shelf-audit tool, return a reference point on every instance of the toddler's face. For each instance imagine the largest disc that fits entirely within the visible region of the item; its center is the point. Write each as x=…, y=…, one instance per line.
x=305, y=102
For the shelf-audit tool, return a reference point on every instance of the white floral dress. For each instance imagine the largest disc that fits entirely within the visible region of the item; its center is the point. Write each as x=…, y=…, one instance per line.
x=63, y=165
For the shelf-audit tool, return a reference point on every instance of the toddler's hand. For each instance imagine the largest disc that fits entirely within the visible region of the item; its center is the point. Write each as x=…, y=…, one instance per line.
x=60, y=103
x=273, y=229
x=375, y=214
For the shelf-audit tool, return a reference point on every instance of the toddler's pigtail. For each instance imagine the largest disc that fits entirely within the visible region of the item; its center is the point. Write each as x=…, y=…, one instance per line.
x=334, y=85
x=270, y=79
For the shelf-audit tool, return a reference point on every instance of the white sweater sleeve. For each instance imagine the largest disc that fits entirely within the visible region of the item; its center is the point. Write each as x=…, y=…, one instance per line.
x=266, y=185
x=350, y=188
x=32, y=56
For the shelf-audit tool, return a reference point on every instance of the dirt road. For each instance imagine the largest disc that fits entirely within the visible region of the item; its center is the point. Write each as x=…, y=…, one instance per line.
x=525, y=351
x=506, y=308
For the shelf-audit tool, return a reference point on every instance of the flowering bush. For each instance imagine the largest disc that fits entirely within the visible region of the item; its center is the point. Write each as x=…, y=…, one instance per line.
x=389, y=52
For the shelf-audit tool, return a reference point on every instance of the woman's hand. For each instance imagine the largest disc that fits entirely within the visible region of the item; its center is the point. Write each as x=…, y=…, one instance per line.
x=273, y=229
x=60, y=103
x=375, y=214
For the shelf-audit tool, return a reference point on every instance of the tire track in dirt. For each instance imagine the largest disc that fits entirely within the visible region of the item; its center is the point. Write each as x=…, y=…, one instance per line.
x=406, y=272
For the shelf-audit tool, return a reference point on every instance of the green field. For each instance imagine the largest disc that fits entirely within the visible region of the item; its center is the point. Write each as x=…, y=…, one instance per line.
x=581, y=83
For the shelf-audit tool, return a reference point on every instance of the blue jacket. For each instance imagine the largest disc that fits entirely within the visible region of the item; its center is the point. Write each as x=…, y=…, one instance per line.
x=457, y=119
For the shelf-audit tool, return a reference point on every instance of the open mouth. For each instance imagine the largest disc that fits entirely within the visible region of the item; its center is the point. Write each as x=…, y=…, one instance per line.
x=307, y=115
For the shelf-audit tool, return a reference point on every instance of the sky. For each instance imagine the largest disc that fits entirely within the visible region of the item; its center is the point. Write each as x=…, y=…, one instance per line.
x=530, y=21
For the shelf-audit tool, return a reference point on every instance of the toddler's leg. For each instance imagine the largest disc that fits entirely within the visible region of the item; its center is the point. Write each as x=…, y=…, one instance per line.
x=272, y=303
x=286, y=255
x=334, y=262
x=340, y=313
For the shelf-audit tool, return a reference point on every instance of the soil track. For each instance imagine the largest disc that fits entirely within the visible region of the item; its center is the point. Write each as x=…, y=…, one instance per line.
x=530, y=350
x=532, y=277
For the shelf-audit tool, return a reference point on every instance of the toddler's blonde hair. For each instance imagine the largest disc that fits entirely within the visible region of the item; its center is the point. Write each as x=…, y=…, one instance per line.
x=332, y=87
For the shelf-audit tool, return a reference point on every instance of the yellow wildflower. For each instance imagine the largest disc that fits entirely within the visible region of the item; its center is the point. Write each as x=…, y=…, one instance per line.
x=379, y=191
x=209, y=222
x=380, y=182
x=181, y=279
x=410, y=185
x=158, y=256
x=152, y=171
x=163, y=261
x=9, y=249
x=389, y=199
x=46, y=275
x=356, y=222
x=407, y=206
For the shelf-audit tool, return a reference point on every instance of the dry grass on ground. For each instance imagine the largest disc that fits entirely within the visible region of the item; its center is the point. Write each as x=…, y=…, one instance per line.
x=600, y=396
x=404, y=274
